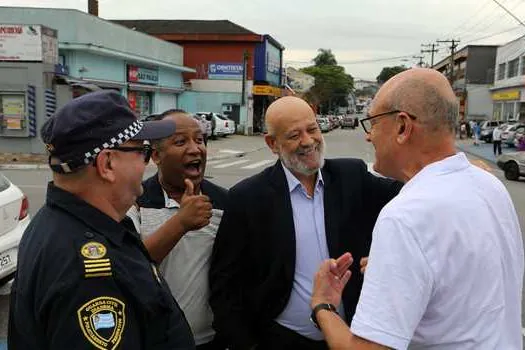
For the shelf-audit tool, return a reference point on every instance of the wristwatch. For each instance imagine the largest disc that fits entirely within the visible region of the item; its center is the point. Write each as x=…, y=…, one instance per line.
x=322, y=306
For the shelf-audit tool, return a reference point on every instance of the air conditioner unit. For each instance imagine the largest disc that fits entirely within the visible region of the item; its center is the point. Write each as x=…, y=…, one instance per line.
x=227, y=108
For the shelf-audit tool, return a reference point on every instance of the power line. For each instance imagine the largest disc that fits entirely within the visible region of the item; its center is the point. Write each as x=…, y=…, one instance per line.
x=491, y=35
x=510, y=13
x=359, y=61
x=432, y=51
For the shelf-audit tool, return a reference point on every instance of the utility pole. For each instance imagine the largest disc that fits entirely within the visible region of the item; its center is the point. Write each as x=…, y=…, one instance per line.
x=420, y=63
x=244, y=76
x=453, y=44
x=433, y=50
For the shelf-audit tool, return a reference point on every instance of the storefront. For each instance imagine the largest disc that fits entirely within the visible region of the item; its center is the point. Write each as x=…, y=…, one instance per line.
x=263, y=96
x=508, y=104
x=142, y=82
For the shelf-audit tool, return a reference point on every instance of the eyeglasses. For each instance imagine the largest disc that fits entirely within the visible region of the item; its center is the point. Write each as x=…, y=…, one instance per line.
x=145, y=150
x=366, y=123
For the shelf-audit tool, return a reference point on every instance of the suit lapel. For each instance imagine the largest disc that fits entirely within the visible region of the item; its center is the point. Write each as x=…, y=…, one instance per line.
x=283, y=224
x=332, y=207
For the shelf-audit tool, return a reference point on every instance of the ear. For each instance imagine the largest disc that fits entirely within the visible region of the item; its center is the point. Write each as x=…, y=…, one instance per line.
x=272, y=143
x=405, y=126
x=104, y=167
x=155, y=156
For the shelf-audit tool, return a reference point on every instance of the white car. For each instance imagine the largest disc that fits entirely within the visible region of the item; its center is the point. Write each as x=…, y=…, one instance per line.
x=219, y=125
x=14, y=218
x=228, y=123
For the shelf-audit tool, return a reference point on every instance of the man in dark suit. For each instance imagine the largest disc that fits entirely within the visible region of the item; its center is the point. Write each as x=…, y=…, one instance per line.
x=278, y=227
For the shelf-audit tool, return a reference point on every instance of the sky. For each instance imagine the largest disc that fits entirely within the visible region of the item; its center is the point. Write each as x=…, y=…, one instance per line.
x=365, y=36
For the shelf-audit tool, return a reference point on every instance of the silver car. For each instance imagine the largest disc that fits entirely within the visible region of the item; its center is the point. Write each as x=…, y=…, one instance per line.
x=513, y=164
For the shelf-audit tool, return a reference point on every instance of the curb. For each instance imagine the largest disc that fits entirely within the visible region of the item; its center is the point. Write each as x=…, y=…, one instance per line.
x=25, y=166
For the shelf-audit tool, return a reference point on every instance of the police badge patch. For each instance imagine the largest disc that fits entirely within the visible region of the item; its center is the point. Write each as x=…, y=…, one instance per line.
x=102, y=321
x=93, y=250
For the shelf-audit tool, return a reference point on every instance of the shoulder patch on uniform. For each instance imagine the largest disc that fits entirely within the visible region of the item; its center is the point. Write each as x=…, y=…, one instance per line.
x=103, y=321
x=93, y=250
x=97, y=268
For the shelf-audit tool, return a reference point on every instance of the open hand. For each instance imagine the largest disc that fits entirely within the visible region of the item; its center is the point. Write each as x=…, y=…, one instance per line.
x=331, y=279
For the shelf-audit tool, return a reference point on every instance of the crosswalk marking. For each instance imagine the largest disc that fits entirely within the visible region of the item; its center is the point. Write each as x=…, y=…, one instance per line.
x=230, y=151
x=258, y=164
x=216, y=161
x=225, y=165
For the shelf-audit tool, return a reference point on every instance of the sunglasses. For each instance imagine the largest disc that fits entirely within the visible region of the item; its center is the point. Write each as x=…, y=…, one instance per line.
x=145, y=150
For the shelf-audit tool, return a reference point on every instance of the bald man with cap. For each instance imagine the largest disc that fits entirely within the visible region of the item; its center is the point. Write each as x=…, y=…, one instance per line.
x=280, y=225
x=446, y=264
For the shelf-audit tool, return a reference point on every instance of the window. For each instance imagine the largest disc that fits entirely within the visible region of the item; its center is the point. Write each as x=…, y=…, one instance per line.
x=523, y=65
x=513, y=68
x=12, y=111
x=501, y=71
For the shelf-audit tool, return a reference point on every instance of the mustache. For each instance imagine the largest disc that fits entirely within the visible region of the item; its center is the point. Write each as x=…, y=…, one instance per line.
x=303, y=150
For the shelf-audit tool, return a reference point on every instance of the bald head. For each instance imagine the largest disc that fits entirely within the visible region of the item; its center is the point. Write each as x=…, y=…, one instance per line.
x=286, y=111
x=424, y=92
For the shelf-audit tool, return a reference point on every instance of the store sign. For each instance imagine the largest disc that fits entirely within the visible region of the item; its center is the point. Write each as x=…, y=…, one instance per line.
x=231, y=71
x=142, y=75
x=266, y=90
x=506, y=95
x=33, y=43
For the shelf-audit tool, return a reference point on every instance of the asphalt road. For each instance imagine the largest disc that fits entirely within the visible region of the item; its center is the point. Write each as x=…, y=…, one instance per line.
x=235, y=166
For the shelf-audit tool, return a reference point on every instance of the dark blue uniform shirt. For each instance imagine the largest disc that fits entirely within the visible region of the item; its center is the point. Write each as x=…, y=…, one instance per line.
x=85, y=281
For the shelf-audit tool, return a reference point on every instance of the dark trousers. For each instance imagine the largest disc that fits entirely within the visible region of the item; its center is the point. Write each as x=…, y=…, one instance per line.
x=497, y=147
x=278, y=337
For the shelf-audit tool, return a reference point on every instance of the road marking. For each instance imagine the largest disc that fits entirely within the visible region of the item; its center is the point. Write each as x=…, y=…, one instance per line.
x=225, y=165
x=32, y=186
x=258, y=164
x=231, y=151
x=216, y=161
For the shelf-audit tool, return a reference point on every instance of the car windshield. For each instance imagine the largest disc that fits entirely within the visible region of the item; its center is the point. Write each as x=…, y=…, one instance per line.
x=4, y=183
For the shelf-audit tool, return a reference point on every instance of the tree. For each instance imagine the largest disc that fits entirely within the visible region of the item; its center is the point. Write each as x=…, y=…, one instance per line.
x=325, y=57
x=389, y=72
x=332, y=84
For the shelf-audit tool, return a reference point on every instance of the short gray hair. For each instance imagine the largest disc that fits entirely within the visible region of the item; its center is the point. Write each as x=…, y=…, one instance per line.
x=429, y=104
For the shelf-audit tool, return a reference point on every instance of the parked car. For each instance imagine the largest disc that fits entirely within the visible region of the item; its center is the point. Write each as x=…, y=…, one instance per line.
x=487, y=128
x=218, y=125
x=14, y=218
x=230, y=124
x=513, y=164
x=204, y=124
x=324, y=124
x=348, y=122
x=509, y=133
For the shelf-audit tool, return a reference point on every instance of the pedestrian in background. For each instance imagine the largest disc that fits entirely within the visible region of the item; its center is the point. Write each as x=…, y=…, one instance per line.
x=178, y=216
x=436, y=279
x=496, y=140
x=84, y=278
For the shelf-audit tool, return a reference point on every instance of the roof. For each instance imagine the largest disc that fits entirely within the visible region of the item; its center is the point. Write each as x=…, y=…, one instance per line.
x=163, y=26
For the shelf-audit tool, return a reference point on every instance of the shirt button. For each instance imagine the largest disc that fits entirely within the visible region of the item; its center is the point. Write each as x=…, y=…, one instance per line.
x=89, y=234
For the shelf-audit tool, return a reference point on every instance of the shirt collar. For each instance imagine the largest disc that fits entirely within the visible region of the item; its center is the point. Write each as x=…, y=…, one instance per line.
x=293, y=182
x=89, y=215
x=169, y=202
x=451, y=164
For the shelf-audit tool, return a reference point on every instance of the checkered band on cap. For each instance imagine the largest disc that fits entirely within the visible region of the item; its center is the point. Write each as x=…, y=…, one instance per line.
x=122, y=137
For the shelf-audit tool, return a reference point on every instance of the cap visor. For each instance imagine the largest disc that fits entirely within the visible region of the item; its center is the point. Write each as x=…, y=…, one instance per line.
x=156, y=130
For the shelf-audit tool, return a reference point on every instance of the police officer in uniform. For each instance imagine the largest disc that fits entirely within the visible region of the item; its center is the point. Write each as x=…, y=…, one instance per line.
x=85, y=280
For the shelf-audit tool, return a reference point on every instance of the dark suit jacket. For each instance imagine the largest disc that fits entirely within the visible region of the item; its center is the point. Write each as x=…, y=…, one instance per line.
x=253, y=259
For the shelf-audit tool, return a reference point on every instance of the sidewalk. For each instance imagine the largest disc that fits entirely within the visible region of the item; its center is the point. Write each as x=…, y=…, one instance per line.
x=483, y=150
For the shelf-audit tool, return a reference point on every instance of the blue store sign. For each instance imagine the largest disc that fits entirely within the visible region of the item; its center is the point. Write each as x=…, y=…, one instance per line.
x=225, y=71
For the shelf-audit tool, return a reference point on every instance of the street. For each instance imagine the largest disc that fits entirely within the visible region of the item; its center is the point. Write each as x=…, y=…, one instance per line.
x=234, y=166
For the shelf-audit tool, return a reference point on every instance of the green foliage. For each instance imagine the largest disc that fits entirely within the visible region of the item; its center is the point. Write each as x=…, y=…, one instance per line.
x=389, y=72
x=332, y=84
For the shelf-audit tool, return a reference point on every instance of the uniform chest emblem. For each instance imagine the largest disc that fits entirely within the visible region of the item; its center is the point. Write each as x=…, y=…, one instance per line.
x=103, y=321
x=93, y=250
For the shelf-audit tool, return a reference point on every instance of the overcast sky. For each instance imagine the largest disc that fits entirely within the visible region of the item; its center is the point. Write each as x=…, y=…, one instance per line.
x=356, y=31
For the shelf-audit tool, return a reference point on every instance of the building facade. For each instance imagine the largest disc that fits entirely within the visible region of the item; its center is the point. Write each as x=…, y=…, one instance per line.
x=471, y=76
x=92, y=54
x=227, y=59
x=508, y=92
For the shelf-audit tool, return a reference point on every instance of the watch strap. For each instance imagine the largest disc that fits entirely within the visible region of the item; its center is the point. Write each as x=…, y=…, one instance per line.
x=317, y=308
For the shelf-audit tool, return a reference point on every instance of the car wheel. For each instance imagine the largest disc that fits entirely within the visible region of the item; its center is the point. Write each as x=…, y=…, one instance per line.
x=512, y=171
